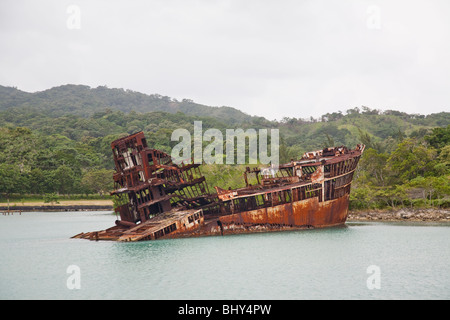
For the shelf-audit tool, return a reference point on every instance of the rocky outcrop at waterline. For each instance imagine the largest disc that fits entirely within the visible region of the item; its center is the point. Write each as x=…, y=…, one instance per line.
x=403, y=214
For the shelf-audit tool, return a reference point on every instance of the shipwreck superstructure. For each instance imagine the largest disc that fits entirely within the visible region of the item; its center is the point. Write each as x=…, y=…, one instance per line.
x=156, y=198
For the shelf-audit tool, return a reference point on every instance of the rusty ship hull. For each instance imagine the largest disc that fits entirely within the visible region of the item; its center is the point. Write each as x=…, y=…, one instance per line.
x=158, y=199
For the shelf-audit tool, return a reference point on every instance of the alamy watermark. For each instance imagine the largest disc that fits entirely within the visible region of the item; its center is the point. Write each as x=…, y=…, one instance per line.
x=374, y=280
x=235, y=145
x=74, y=280
x=73, y=21
x=373, y=20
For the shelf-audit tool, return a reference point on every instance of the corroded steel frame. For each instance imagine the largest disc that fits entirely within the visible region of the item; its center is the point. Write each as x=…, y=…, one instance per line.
x=164, y=200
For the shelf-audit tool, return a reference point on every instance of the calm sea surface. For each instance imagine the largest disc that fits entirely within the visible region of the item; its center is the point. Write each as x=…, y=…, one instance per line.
x=405, y=261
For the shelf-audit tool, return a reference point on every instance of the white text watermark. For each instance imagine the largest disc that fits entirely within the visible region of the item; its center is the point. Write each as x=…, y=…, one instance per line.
x=74, y=280
x=234, y=143
x=73, y=21
x=374, y=280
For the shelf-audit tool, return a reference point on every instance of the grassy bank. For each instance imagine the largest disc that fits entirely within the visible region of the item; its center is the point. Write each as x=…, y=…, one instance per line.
x=35, y=202
x=48, y=198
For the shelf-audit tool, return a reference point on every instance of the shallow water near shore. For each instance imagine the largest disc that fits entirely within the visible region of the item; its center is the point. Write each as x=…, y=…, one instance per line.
x=361, y=260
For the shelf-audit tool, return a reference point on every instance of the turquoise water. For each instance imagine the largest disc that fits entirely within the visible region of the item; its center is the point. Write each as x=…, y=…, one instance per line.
x=413, y=261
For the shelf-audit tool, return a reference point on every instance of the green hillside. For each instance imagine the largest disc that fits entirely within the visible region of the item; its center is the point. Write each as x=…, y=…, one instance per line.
x=84, y=101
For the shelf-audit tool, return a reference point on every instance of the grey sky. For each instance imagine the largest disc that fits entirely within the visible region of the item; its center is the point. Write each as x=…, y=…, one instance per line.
x=270, y=58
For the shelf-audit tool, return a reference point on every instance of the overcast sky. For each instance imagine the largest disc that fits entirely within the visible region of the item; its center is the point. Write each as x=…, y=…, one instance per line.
x=270, y=58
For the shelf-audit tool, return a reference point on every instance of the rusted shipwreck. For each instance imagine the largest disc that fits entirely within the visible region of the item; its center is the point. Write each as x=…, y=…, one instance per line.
x=157, y=198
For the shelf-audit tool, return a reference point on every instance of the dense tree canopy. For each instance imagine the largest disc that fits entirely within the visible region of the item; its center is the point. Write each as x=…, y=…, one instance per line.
x=416, y=172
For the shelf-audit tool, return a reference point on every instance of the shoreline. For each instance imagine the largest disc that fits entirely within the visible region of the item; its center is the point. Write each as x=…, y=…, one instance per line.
x=401, y=214
x=63, y=205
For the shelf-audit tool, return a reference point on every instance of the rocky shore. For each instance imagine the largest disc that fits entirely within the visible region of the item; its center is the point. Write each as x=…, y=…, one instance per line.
x=403, y=214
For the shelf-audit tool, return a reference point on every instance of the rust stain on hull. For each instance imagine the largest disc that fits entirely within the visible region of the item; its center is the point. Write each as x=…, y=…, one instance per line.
x=305, y=213
x=159, y=199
